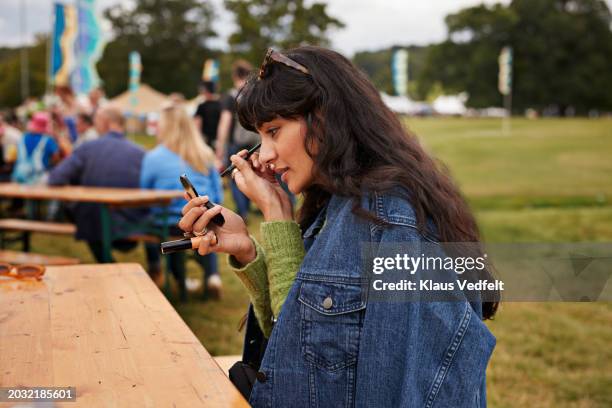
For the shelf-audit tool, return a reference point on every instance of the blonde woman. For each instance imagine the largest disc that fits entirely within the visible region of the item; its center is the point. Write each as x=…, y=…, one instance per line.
x=181, y=149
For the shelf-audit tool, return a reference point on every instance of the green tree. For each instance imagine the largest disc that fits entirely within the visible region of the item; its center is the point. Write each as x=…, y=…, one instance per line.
x=467, y=60
x=10, y=72
x=284, y=24
x=562, y=54
x=377, y=65
x=171, y=37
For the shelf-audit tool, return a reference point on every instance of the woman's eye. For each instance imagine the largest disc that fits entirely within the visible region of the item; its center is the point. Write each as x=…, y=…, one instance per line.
x=272, y=131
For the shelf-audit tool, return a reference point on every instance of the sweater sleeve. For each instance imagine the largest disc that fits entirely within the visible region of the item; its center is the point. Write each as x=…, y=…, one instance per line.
x=268, y=278
x=284, y=248
x=255, y=279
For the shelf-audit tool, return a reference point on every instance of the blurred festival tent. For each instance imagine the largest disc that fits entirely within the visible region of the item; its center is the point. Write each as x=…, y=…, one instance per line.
x=139, y=106
x=450, y=105
x=405, y=106
x=145, y=100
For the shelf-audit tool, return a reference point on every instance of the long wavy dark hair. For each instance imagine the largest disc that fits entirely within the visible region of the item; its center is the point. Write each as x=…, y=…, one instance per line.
x=361, y=144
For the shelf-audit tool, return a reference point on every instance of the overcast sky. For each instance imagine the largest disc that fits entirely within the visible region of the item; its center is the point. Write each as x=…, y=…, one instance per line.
x=369, y=24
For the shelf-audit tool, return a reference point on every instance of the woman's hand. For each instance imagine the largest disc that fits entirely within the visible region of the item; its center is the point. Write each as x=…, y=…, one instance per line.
x=259, y=183
x=232, y=238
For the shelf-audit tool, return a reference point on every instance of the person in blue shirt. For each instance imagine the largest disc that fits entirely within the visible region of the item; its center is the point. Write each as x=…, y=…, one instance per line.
x=110, y=161
x=182, y=150
x=36, y=151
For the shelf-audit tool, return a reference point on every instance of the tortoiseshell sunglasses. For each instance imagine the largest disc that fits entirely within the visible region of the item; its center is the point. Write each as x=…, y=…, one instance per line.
x=22, y=271
x=274, y=56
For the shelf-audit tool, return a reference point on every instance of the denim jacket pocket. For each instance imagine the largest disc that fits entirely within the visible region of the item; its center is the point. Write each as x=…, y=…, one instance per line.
x=332, y=318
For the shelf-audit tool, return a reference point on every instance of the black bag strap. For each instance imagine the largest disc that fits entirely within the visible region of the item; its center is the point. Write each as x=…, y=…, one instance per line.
x=243, y=377
x=254, y=341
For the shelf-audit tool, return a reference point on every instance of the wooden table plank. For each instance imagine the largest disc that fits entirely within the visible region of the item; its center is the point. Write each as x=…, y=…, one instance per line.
x=103, y=195
x=20, y=258
x=108, y=331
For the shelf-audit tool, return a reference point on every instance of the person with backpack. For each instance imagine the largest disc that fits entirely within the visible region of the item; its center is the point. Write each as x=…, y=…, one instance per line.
x=37, y=152
x=231, y=134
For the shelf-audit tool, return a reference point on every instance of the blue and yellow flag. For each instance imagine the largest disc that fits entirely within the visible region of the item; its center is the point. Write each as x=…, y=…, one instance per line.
x=135, y=70
x=211, y=70
x=88, y=48
x=62, y=50
x=399, y=71
x=77, y=46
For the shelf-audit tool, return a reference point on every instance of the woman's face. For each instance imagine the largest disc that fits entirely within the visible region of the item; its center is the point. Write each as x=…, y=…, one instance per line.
x=282, y=145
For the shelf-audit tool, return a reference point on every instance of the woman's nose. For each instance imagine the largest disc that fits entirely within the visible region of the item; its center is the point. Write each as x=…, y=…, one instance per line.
x=266, y=153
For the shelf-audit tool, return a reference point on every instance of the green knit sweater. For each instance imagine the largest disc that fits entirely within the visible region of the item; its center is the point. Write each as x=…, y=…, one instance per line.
x=270, y=275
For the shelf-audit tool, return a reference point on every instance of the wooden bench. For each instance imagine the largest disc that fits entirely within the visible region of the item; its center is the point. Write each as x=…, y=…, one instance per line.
x=20, y=258
x=13, y=224
x=26, y=227
x=226, y=362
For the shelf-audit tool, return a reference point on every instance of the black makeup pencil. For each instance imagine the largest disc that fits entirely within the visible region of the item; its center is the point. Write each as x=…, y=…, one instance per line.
x=250, y=152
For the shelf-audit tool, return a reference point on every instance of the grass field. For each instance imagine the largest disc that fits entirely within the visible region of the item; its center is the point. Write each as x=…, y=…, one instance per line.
x=548, y=180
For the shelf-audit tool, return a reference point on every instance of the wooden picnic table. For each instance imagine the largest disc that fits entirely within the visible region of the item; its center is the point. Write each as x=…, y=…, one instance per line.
x=120, y=197
x=108, y=198
x=108, y=331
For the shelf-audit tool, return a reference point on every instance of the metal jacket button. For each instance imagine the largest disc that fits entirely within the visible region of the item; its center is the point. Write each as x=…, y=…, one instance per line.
x=261, y=376
x=328, y=303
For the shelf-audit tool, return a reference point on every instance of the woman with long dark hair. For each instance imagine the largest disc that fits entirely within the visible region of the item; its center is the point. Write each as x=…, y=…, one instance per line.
x=327, y=134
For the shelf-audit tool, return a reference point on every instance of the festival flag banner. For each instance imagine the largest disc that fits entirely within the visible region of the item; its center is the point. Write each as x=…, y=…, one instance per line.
x=505, y=71
x=399, y=71
x=211, y=70
x=88, y=48
x=62, y=56
x=135, y=70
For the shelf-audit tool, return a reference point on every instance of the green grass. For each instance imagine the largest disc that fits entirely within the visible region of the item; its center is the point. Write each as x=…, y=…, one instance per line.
x=549, y=181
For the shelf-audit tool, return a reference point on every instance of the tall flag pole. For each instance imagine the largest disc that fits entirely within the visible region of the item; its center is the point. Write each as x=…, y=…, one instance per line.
x=504, y=84
x=24, y=62
x=399, y=71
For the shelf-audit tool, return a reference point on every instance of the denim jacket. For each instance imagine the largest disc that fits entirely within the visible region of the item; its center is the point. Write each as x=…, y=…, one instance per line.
x=351, y=352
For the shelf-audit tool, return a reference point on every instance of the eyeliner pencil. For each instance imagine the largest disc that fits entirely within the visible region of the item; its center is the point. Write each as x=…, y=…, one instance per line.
x=169, y=247
x=249, y=153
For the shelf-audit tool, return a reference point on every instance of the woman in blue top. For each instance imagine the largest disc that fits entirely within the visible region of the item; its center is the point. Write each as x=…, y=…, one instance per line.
x=369, y=190
x=181, y=150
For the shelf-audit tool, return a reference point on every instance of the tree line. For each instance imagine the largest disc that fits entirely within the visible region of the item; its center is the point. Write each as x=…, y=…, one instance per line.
x=562, y=50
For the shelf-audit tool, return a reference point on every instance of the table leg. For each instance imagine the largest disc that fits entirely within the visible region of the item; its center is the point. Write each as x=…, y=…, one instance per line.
x=106, y=234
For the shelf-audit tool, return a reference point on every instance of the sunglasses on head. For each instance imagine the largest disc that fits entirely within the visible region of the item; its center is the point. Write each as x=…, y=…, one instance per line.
x=274, y=56
x=24, y=271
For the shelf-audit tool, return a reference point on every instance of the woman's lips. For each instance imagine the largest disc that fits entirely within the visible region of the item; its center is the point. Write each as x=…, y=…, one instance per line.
x=283, y=174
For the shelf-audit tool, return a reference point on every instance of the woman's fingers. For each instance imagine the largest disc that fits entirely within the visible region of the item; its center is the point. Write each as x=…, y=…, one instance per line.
x=193, y=203
x=255, y=162
x=189, y=218
x=243, y=166
x=205, y=218
x=208, y=242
